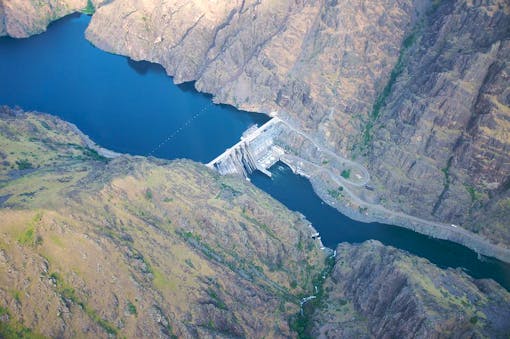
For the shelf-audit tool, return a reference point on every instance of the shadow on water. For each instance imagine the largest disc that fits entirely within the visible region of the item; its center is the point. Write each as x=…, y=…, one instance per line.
x=297, y=194
x=144, y=67
x=188, y=86
x=124, y=105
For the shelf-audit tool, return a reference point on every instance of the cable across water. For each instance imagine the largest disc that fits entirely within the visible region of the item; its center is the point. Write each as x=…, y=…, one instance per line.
x=180, y=129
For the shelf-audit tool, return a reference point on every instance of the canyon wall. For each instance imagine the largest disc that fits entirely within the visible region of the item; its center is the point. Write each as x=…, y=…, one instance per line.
x=377, y=291
x=415, y=90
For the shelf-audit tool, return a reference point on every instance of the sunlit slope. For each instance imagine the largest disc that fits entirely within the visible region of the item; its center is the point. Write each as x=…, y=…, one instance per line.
x=139, y=247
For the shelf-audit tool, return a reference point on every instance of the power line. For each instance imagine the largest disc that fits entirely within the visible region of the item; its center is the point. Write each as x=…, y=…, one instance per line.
x=180, y=129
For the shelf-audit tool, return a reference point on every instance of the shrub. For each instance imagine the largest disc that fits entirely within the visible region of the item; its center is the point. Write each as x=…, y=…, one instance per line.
x=346, y=173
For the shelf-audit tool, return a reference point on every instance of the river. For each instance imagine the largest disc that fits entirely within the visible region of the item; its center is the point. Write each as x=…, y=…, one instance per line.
x=133, y=107
x=130, y=107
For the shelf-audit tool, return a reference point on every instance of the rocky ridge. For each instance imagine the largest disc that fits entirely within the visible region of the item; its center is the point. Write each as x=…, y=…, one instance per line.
x=377, y=291
x=143, y=247
x=441, y=137
x=138, y=247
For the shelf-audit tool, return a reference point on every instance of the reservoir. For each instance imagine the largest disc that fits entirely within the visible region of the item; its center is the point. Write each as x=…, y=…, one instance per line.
x=126, y=106
x=133, y=107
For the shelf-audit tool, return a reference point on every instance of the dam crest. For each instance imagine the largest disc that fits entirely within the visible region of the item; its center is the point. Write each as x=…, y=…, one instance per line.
x=255, y=151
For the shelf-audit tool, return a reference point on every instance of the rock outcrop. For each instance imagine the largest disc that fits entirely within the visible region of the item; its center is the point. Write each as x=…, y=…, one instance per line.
x=377, y=291
x=22, y=18
x=440, y=140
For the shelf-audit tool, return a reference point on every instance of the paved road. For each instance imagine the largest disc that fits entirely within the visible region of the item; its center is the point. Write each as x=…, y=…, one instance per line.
x=449, y=228
x=321, y=148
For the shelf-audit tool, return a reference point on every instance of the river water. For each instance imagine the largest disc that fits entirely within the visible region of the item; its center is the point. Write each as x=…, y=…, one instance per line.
x=133, y=107
x=130, y=107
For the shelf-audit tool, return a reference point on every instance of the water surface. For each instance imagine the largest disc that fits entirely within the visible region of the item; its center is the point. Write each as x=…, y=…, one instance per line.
x=297, y=194
x=129, y=107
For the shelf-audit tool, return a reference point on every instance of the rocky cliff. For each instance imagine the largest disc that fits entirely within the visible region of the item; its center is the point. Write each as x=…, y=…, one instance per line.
x=21, y=18
x=321, y=62
x=138, y=247
x=377, y=291
x=441, y=131
x=415, y=90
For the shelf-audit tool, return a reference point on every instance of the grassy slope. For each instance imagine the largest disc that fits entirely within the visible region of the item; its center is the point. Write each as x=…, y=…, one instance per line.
x=136, y=247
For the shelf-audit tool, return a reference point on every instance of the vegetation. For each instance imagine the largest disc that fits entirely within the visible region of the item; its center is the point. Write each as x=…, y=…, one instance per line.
x=302, y=322
x=67, y=292
x=446, y=172
x=336, y=193
x=346, y=173
x=473, y=193
x=189, y=263
x=89, y=9
x=11, y=329
x=29, y=236
x=148, y=194
x=216, y=300
x=131, y=308
x=93, y=154
x=24, y=164
x=383, y=96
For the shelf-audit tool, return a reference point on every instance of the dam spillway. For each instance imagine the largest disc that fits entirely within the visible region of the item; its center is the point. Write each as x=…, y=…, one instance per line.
x=255, y=151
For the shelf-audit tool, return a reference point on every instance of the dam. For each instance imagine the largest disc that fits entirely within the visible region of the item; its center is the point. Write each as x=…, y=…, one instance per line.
x=255, y=151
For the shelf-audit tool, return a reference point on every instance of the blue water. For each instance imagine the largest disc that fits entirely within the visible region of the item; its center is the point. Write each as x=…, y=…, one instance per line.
x=130, y=107
x=133, y=107
x=297, y=194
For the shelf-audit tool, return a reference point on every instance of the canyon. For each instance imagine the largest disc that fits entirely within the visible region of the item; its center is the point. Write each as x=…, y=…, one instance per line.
x=411, y=98
x=134, y=246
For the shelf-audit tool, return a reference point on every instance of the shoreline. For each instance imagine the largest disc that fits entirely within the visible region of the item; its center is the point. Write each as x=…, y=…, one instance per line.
x=377, y=213
x=429, y=228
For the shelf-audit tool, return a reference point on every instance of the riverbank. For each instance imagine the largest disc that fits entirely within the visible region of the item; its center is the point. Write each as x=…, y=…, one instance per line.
x=327, y=188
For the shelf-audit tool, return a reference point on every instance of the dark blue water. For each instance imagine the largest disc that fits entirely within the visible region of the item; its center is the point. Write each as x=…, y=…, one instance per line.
x=297, y=194
x=134, y=107
x=122, y=105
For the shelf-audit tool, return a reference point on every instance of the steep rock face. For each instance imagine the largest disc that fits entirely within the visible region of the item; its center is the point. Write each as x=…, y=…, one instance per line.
x=21, y=18
x=137, y=247
x=415, y=90
x=381, y=292
x=441, y=138
x=320, y=62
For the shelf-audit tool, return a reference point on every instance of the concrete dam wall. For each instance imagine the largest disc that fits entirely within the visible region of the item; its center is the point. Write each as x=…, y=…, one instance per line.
x=255, y=151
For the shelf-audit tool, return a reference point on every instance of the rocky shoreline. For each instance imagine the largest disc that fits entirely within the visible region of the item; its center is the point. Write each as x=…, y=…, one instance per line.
x=434, y=143
x=352, y=209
